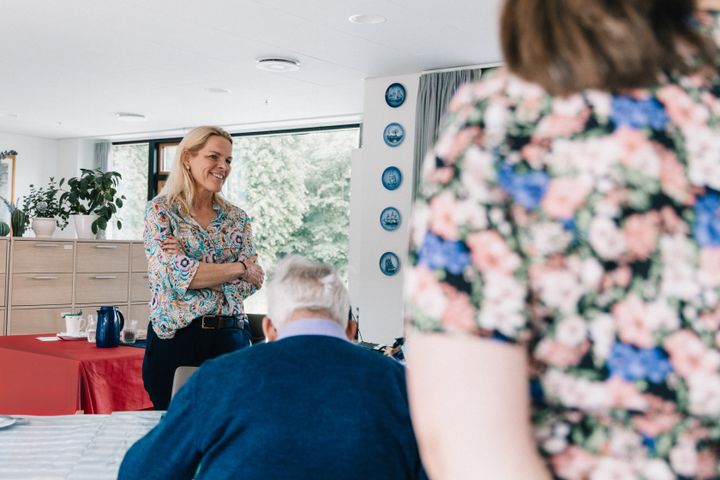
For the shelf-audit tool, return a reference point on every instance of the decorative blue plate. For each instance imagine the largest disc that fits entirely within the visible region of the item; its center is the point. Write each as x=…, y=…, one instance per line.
x=395, y=95
x=391, y=178
x=390, y=219
x=389, y=264
x=394, y=134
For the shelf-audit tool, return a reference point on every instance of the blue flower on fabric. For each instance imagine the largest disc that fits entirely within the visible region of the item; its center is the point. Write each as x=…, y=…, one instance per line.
x=182, y=263
x=527, y=189
x=707, y=220
x=636, y=113
x=632, y=364
x=450, y=255
x=657, y=365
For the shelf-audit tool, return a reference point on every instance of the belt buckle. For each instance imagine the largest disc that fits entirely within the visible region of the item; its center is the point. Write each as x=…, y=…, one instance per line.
x=205, y=326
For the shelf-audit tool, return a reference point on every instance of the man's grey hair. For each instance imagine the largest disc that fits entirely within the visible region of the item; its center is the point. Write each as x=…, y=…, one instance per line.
x=296, y=283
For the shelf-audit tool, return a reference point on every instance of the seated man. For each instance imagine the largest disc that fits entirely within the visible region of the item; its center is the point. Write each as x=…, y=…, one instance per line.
x=307, y=405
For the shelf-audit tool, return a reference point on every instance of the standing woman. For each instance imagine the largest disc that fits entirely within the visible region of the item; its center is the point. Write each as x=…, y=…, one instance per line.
x=201, y=264
x=566, y=249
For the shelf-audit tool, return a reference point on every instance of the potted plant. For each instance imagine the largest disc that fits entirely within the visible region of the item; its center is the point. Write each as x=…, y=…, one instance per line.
x=92, y=200
x=44, y=206
x=17, y=217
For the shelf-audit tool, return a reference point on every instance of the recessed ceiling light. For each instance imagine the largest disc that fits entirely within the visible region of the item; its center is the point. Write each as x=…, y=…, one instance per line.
x=217, y=90
x=8, y=115
x=130, y=117
x=277, y=64
x=367, y=19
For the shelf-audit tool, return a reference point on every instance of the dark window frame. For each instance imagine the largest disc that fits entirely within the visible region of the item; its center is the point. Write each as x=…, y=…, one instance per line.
x=154, y=175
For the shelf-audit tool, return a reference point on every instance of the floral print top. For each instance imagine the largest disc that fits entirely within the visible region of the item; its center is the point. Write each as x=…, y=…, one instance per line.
x=587, y=230
x=228, y=238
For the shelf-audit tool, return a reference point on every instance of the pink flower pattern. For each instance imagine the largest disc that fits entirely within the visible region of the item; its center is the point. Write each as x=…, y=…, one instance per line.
x=590, y=236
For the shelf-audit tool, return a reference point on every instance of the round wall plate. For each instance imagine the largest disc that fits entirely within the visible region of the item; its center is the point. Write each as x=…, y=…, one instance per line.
x=389, y=264
x=394, y=134
x=395, y=95
x=391, y=178
x=390, y=219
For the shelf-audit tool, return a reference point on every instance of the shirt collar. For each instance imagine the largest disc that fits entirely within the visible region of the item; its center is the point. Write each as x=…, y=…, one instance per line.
x=312, y=326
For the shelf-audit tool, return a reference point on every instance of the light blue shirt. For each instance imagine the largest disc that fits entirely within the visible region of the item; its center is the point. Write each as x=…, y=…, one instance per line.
x=312, y=326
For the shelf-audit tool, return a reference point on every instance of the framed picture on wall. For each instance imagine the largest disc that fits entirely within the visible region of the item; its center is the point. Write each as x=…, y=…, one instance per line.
x=7, y=183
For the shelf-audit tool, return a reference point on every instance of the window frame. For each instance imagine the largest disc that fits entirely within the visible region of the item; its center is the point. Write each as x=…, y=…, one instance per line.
x=155, y=145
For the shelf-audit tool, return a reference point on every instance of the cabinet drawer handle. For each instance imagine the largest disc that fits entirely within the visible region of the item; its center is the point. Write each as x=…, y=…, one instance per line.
x=105, y=277
x=46, y=245
x=107, y=247
x=45, y=277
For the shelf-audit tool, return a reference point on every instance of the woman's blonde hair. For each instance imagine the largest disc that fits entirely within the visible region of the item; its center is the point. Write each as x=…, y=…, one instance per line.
x=180, y=189
x=570, y=45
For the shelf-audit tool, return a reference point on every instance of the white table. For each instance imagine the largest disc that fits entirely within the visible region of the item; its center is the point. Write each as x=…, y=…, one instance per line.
x=71, y=446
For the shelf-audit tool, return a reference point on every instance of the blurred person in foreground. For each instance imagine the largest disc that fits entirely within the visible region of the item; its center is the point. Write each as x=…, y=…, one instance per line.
x=201, y=264
x=307, y=405
x=564, y=303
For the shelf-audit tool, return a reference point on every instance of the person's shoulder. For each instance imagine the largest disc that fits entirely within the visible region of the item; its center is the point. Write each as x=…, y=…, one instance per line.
x=367, y=357
x=233, y=211
x=497, y=86
x=158, y=202
x=159, y=205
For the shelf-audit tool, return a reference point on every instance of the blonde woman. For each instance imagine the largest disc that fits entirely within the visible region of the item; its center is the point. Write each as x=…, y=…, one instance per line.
x=201, y=264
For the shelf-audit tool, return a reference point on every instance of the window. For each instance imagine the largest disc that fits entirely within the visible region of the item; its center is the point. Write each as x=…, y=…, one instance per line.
x=294, y=185
x=296, y=188
x=131, y=161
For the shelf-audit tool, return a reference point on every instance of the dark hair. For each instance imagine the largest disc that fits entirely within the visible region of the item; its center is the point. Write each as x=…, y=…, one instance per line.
x=570, y=45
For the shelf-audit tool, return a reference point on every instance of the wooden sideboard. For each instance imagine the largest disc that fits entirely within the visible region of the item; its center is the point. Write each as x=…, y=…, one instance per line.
x=46, y=277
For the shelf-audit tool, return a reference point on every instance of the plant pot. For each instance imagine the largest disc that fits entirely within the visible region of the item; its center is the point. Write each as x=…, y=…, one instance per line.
x=83, y=226
x=43, y=227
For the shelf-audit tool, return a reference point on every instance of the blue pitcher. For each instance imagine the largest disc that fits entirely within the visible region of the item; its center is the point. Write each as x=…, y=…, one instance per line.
x=109, y=324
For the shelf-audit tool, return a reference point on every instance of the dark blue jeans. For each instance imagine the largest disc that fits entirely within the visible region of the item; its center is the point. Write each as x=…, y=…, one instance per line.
x=190, y=346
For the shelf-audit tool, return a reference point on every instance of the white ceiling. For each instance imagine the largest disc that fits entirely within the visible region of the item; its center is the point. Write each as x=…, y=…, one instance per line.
x=67, y=66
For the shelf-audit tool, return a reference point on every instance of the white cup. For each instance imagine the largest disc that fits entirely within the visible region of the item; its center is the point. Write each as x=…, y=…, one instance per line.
x=74, y=324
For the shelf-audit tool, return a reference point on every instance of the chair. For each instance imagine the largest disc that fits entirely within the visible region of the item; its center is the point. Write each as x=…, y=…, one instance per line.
x=256, y=330
x=182, y=374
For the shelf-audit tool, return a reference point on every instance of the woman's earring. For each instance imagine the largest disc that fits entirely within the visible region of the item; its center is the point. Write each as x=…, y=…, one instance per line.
x=187, y=167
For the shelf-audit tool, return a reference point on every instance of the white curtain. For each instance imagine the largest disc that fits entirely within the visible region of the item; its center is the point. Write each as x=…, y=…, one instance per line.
x=103, y=155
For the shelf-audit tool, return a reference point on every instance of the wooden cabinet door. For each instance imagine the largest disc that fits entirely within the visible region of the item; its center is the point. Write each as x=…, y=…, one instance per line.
x=104, y=288
x=41, y=289
x=102, y=257
x=42, y=257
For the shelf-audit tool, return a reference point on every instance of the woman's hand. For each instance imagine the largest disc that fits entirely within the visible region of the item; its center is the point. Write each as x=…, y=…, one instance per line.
x=170, y=245
x=254, y=273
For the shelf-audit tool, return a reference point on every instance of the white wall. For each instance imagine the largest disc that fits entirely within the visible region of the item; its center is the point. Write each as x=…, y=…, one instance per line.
x=74, y=154
x=37, y=160
x=378, y=296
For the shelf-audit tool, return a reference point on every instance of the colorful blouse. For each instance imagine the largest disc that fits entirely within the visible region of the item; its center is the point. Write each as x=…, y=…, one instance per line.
x=228, y=238
x=585, y=229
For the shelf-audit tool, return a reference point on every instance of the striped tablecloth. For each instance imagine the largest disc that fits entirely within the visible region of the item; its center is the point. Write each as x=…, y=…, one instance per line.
x=70, y=446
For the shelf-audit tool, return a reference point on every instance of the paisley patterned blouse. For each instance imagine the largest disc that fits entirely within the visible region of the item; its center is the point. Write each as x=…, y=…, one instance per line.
x=587, y=230
x=228, y=238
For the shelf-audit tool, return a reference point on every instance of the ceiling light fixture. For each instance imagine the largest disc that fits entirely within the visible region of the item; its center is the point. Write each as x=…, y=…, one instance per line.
x=130, y=117
x=277, y=64
x=217, y=90
x=367, y=19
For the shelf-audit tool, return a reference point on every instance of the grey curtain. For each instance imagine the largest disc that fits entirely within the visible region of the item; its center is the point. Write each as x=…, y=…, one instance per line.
x=434, y=94
x=103, y=151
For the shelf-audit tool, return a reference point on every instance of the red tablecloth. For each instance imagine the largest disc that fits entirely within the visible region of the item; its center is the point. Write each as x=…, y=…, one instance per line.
x=63, y=377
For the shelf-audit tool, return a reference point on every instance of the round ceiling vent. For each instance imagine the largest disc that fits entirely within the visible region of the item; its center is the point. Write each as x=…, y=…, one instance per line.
x=277, y=64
